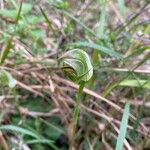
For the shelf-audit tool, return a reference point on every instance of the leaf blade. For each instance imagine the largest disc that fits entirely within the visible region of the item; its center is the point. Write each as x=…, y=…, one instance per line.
x=5, y=51
x=97, y=47
x=123, y=127
x=122, y=7
x=18, y=129
x=7, y=79
x=136, y=83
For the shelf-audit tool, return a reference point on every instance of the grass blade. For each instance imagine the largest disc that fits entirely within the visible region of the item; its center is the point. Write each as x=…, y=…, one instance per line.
x=46, y=18
x=19, y=12
x=80, y=23
x=136, y=83
x=100, y=28
x=123, y=128
x=43, y=141
x=5, y=51
x=18, y=129
x=97, y=47
x=122, y=7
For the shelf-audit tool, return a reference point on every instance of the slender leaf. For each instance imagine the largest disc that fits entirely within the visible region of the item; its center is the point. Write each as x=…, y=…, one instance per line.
x=97, y=47
x=100, y=28
x=19, y=13
x=43, y=141
x=46, y=18
x=123, y=127
x=122, y=7
x=136, y=83
x=80, y=23
x=5, y=51
x=14, y=128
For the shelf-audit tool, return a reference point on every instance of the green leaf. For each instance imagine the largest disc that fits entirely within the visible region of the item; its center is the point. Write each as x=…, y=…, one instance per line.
x=19, y=13
x=123, y=128
x=37, y=33
x=46, y=18
x=77, y=65
x=43, y=141
x=34, y=19
x=102, y=21
x=12, y=13
x=14, y=128
x=7, y=79
x=5, y=51
x=59, y=4
x=136, y=83
x=122, y=7
x=24, y=8
x=97, y=47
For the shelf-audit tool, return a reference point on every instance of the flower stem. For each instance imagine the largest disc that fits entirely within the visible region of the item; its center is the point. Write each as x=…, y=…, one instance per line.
x=76, y=113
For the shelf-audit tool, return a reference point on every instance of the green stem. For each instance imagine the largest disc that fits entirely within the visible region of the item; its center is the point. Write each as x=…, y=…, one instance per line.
x=76, y=113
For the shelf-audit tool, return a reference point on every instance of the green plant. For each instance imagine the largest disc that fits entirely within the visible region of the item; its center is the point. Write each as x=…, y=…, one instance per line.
x=123, y=127
x=38, y=111
x=7, y=79
x=76, y=64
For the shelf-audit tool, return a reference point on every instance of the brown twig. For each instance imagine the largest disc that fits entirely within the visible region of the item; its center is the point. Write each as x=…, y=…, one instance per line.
x=3, y=143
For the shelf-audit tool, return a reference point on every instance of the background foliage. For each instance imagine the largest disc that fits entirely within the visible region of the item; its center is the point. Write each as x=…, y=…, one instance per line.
x=37, y=97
